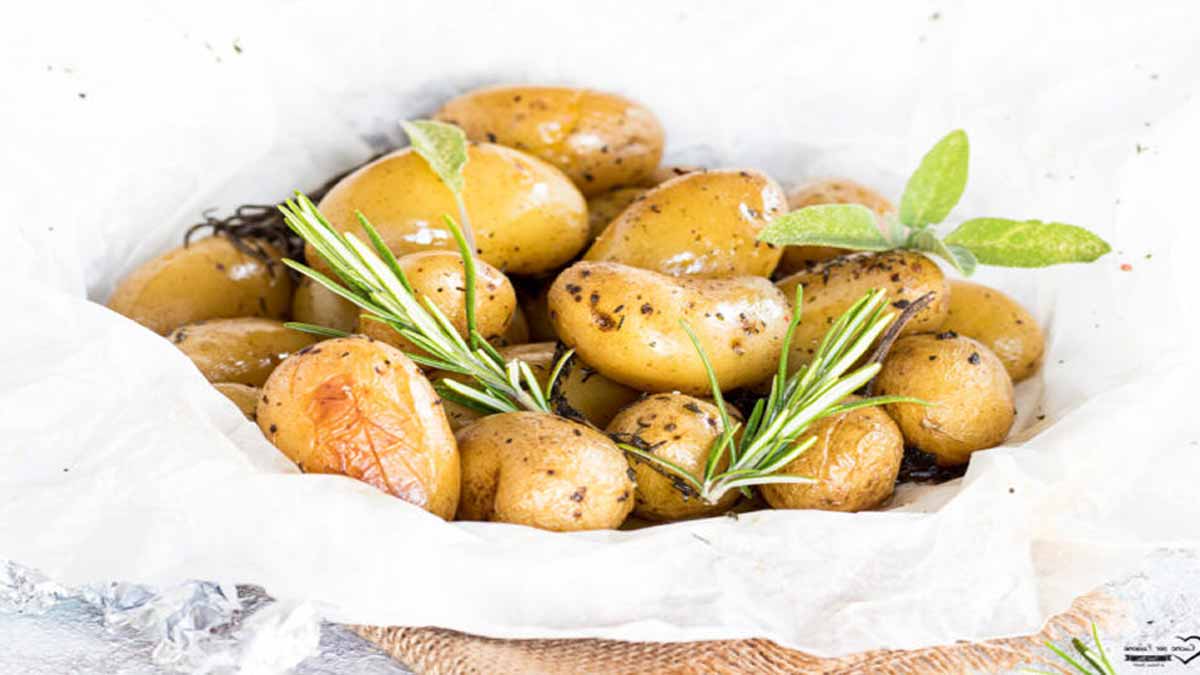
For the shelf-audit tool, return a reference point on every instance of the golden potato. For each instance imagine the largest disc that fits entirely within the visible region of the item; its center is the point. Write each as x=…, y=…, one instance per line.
x=701, y=224
x=679, y=429
x=209, y=279
x=243, y=396
x=855, y=461
x=439, y=276
x=543, y=471
x=829, y=191
x=517, y=332
x=360, y=408
x=315, y=304
x=999, y=322
x=603, y=208
x=665, y=173
x=244, y=351
x=624, y=322
x=599, y=140
x=831, y=287
x=970, y=392
x=527, y=217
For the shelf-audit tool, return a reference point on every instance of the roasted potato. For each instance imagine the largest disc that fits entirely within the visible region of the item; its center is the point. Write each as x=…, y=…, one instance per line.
x=625, y=323
x=970, y=392
x=999, y=322
x=544, y=471
x=855, y=461
x=243, y=396
x=605, y=207
x=359, y=407
x=244, y=351
x=439, y=276
x=208, y=279
x=830, y=191
x=315, y=304
x=600, y=140
x=517, y=332
x=665, y=173
x=831, y=287
x=679, y=429
x=527, y=216
x=702, y=224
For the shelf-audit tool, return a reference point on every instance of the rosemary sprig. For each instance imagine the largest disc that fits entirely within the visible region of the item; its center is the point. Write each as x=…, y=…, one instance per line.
x=1094, y=663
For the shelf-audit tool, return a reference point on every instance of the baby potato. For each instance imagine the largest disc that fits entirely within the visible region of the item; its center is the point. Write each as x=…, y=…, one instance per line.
x=970, y=392
x=439, y=276
x=543, y=471
x=665, y=173
x=701, y=224
x=603, y=208
x=244, y=351
x=517, y=332
x=527, y=216
x=243, y=396
x=624, y=321
x=315, y=304
x=855, y=461
x=360, y=408
x=599, y=140
x=829, y=191
x=830, y=288
x=999, y=322
x=679, y=429
x=208, y=279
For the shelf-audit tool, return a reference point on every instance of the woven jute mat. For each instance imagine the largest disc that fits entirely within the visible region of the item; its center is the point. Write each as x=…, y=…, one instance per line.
x=436, y=651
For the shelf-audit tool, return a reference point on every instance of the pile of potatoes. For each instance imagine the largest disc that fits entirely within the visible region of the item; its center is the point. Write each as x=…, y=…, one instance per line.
x=585, y=241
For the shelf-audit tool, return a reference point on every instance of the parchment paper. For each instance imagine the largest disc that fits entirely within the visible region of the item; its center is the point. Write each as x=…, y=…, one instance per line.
x=123, y=122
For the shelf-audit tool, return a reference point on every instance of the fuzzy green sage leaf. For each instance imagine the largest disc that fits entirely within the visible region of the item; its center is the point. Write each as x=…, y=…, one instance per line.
x=841, y=225
x=443, y=146
x=1027, y=243
x=927, y=242
x=938, y=183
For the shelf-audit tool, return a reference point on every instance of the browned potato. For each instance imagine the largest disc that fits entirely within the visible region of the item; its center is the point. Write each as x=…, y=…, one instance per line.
x=243, y=396
x=970, y=392
x=517, y=332
x=701, y=224
x=603, y=208
x=600, y=140
x=855, y=461
x=679, y=429
x=624, y=322
x=999, y=322
x=665, y=173
x=527, y=217
x=360, y=408
x=244, y=351
x=829, y=191
x=831, y=287
x=210, y=279
x=439, y=276
x=543, y=471
x=315, y=304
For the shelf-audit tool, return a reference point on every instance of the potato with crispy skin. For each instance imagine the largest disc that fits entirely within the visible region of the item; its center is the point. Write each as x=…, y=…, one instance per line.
x=238, y=350
x=360, y=408
x=829, y=191
x=998, y=321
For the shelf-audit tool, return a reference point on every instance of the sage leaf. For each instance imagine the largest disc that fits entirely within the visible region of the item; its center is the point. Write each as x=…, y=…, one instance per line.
x=841, y=225
x=938, y=183
x=444, y=148
x=1027, y=243
x=959, y=257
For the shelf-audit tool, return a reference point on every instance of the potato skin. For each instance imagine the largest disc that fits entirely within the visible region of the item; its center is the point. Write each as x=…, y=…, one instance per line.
x=624, y=321
x=700, y=224
x=439, y=275
x=971, y=393
x=828, y=191
x=665, y=173
x=209, y=279
x=315, y=304
x=244, y=351
x=680, y=429
x=599, y=140
x=830, y=287
x=527, y=216
x=544, y=471
x=855, y=460
x=998, y=321
x=605, y=207
x=360, y=408
x=243, y=396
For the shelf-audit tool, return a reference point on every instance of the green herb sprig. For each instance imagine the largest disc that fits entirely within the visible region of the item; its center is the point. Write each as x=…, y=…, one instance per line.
x=931, y=194
x=1093, y=663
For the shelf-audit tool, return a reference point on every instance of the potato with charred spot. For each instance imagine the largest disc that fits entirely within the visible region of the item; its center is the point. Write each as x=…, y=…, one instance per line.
x=208, y=279
x=998, y=321
x=625, y=323
x=599, y=140
x=970, y=393
x=543, y=471
x=679, y=429
x=828, y=191
x=701, y=224
x=315, y=304
x=238, y=350
x=243, y=396
x=360, y=408
x=831, y=287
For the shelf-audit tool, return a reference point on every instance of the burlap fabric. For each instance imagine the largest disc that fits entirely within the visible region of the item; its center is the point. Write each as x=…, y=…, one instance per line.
x=435, y=651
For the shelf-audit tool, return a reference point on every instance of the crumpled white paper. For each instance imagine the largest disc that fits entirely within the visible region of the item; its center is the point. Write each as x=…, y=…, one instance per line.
x=120, y=462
